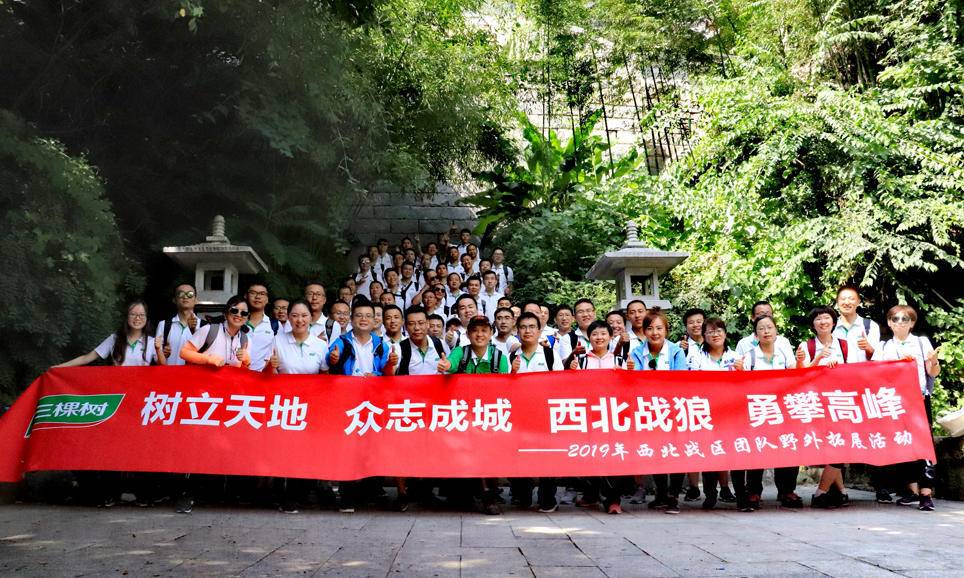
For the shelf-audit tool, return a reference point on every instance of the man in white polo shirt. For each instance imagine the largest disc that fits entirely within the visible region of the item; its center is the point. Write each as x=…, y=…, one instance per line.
x=533, y=357
x=319, y=324
x=261, y=330
x=173, y=332
x=861, y=334
x=503, y=270
x=489, y=298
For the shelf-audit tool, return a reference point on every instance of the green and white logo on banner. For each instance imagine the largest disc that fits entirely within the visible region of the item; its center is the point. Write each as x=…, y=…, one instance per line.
x=73, y=411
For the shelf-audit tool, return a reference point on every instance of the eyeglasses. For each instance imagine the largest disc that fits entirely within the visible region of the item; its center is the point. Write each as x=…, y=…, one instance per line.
x=137, y=315
x=185, y=294
x=258, y=293
x=715, y=332
x=238, y=311
x=315, y=294
x=901, y=319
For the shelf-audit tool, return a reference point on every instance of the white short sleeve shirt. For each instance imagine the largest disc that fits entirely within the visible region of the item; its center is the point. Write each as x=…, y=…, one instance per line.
x=134, y=354
x=308, y=357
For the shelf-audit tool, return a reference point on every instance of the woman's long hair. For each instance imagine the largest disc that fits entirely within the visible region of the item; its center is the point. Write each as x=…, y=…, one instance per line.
x=119, y=353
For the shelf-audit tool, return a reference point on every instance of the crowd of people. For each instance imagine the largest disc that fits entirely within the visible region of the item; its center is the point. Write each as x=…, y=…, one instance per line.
x=445, y=308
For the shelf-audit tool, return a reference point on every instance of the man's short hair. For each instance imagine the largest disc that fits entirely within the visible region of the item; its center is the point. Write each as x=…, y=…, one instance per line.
x=584, y=300
x=414, y=310
x=528, y=315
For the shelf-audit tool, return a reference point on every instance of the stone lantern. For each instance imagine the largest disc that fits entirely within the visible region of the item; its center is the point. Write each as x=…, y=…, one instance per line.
x=217, y=266
x=636, y=269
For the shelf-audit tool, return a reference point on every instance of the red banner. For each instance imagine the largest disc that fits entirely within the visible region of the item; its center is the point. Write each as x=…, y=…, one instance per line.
x=573, y=423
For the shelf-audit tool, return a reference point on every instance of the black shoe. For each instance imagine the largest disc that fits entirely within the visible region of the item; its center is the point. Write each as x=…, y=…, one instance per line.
x=184, y=504
x=884, y=497
x=639, y=497
x=288, y=507
x=726, y=496
x=108, y=502
x=709, y=503
x=791, y=500
x=491, y=509
x=692, y=494
x=911, y=500
x=672, y=506
x=754, y=502
x=822, y=502
x=743, y=505
x=926, y=504
x=401, y=503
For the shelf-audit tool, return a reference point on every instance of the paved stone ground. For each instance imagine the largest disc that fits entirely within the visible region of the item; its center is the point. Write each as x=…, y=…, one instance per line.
x=865, y=539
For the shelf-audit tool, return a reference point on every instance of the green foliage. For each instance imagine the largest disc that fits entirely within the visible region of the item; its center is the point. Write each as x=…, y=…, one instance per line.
x=280, y=116
x=553, y=288
x=949, y=391
x=550, y=176
x=63, y=261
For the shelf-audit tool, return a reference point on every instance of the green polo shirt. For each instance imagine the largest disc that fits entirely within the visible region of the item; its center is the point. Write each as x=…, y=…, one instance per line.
x=477, y=365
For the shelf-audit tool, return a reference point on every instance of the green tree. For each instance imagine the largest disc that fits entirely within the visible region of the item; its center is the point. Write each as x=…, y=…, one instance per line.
x=63, y=259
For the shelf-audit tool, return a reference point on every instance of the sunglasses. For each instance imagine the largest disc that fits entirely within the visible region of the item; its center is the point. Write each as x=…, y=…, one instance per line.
x=237, y=311
x=185, y=294
x=901, y=319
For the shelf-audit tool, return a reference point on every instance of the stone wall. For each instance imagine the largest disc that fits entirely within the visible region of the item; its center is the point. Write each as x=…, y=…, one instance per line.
x=396, y=215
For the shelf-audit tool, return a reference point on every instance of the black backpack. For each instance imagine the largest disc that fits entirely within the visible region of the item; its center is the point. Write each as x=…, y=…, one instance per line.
x=215, y=331
x=495, y=359
x=167, y=329
x=547, y=351
x=406, y=357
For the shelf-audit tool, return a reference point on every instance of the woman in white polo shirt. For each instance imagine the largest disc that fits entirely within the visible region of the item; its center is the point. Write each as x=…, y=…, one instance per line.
x=825, y=350
x=129, y=346
x=297, y=352
x=714, y=355
x=770, y=352
x=229, y=346
x=919, y=475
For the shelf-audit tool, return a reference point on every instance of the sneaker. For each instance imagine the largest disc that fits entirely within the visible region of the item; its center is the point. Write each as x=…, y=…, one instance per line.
x=615, y=509
x=743, y=505
x=288, y=507
x=491, y=509
x=883, y=497
x=401, y=503
x=692, y=494
x=908, y=500
x=926, y=504
x=709, y=503
x=346, y=510
x=639, y=497
x=822, y=502
x=726, y=495
x=184, y=504
x=791, y=500
x=108, y=502
x=672, y=506
x=548, y=510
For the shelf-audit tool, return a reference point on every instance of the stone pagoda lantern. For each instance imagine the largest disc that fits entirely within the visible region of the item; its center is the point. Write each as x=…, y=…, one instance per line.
x=636, y=269
x=217, y=265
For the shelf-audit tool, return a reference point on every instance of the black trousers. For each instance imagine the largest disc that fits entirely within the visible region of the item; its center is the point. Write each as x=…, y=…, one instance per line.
x=609, y=488
x=785, y=479
x=710, y=482
x=747, y=483
x=668, y=484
